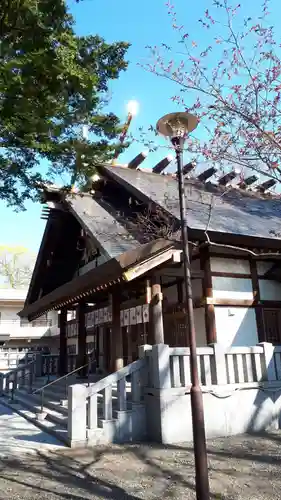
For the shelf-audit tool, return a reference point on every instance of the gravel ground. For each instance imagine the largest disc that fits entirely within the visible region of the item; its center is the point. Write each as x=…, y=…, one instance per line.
x=240, y=468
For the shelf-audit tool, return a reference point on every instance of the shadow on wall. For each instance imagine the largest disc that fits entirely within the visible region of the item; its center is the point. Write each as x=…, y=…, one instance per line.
x=236, y=326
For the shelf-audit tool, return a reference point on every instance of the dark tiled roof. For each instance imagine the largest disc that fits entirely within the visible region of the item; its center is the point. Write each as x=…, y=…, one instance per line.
x=233, y=210
x=107, y=233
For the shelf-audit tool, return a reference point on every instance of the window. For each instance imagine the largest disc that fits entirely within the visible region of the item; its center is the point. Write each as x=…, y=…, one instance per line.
x=272, y=325
x=71, y=349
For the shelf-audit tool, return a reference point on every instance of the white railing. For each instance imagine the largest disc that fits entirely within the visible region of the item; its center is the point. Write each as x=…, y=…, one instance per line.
x=22, y=376
x=102, y=401
x=216, y=365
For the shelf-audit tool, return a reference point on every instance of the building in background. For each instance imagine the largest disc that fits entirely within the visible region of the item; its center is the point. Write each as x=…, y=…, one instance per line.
x=20, y=335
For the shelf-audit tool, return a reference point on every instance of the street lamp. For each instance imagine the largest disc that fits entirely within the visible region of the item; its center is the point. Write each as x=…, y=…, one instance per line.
x=177, y=126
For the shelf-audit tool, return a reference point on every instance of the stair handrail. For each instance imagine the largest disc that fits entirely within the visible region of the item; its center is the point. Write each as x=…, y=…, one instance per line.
x=115, y=377
x=40, y=389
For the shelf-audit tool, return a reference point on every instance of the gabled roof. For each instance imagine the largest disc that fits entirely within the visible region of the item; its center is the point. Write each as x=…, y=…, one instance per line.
x=108, y=234
x=222, y=210
x=69, y=213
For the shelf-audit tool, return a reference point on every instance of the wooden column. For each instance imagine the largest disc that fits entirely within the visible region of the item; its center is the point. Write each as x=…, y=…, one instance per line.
x=156, y=326
x=210, y=319
x=256, y=294
x=63, y=343
x=82, y=357
x=117, y=361
x=180, y=291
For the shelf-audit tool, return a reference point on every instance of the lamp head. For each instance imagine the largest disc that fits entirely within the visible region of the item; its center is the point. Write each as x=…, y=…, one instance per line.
x=177, y=125
x=133, y=107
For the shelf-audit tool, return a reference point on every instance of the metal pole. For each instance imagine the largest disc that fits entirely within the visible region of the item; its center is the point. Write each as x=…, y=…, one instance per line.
x=199, y=438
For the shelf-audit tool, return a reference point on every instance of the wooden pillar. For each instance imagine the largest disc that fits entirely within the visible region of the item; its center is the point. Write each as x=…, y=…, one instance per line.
x=117, y=361
x=180, y=291
x=256, y=294
x=63, y=343
x=82, y=357
x=156, y=313
x=210, y=319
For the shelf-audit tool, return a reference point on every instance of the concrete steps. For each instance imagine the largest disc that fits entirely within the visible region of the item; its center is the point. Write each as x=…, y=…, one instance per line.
x=53, y=418
x=50, y=413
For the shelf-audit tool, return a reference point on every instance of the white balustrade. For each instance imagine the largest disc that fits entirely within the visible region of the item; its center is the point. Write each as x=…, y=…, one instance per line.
x=216, y=365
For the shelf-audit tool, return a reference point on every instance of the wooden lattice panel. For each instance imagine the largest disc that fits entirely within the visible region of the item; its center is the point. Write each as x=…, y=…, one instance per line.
x=174, y=319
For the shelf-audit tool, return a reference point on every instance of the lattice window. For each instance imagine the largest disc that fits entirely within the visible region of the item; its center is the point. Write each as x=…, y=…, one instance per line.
x=272, y=325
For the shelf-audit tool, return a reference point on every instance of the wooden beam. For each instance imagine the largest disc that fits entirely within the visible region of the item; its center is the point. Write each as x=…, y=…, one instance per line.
x=117, y=360
x=180, y=290
x=162, y=164
x=226, y=178
x=240, y=303
x=135, y=162
x=82, y=340
x=207, y=285
x=63, y=343
x=257, y=297
x=141, y=269
x=223, y=274
x=264, y=186
x=206, y=174
x=229, y=302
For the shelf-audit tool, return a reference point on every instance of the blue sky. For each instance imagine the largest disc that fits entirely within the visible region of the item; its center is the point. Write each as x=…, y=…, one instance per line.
x=140, y=23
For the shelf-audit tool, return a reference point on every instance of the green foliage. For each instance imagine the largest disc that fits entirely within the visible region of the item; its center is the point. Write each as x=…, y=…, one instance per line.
x=51, y=82
x=16, y=266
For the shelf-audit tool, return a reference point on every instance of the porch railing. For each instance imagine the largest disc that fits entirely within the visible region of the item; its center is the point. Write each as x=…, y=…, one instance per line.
x=216, y=365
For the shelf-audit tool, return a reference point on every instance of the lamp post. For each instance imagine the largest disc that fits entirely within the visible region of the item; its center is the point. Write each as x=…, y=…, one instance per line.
x=176, y=126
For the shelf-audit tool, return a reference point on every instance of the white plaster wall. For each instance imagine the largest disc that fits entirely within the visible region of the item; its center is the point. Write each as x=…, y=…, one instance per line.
x=200, y=327
x=236, y=326
x=270, y=290
x=237, y=266
x=232, y=288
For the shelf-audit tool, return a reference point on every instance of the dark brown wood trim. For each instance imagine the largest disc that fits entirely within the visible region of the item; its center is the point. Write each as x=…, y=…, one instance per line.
x=180, y=291
x=117, y=359
x=269, y=303
x=256, y=293
x=229, y=255
x=210, y=319
x=221, y=274
x=82, y=339
x=63, y=342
